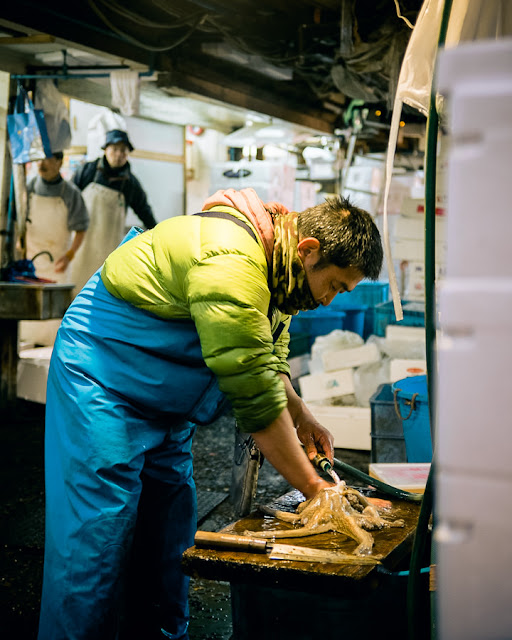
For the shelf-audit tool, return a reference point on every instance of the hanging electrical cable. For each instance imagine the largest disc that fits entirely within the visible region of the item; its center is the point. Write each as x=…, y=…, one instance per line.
x=143, y=21
x=176, y=41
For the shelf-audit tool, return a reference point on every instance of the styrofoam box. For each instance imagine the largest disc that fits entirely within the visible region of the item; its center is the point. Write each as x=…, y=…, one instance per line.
x=402, y=332
x=364, y=179
x=255, y=171
x=414, y=228
x=472, y=534
x=350, y=426
x=414, y=250
x=404, y=368
x=299, y=366
x=409, y=476
x=322, y=386
x=400, y=188
x=473, y=382
x=415, y=280
x=350, y=358
x=413, y=207
x=367, y=201
x=480, y=181
x=33, y=366
x=473, y=479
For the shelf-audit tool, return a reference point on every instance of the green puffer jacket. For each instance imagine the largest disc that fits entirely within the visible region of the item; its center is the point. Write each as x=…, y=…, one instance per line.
x=213, y=272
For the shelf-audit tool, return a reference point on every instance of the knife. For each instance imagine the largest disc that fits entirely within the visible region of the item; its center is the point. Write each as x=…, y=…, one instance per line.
x=275, y=551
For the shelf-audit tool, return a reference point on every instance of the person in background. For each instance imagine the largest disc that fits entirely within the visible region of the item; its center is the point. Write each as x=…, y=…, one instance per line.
x=57, y=222
x=180, y=320
x=109, y=188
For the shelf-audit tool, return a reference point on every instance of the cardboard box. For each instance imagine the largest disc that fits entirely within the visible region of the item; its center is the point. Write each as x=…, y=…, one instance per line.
x=350, y=358
x=350, y=426
x=408, y=476
x=322, y=386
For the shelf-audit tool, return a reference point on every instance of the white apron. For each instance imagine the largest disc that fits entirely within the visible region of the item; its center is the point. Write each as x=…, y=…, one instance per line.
x=107, y=219
x=47, y=230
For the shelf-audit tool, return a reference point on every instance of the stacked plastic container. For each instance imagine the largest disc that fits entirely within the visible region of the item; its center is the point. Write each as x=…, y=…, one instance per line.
x=473, y=531
x=359, y=306
x=384, y=314
x=318, y=322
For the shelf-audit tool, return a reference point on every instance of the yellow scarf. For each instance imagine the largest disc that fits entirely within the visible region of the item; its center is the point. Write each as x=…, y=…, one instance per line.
x=290, y=289
x=277, y=228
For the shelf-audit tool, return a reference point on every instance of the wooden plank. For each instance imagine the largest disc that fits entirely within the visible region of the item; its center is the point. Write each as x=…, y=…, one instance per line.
x=157, y=155
x=392, y=545
x=34, y=301
x=37, y=38
x=227, y=91
x=137, y=153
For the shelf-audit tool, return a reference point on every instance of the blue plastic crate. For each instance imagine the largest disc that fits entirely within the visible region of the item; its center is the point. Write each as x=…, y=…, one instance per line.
x=384, y=314
x=318, y=322
x=365, y=294
x=299, y=344
x=369, y=322
x=363, y=298
x=354, y=319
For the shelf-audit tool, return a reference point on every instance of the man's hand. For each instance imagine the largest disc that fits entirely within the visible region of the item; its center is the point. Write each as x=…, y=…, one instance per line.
x=62, y=264
x=316, y=439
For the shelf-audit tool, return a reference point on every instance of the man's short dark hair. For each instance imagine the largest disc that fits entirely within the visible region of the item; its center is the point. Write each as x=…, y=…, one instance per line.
x=348, y=235
x=58, y=155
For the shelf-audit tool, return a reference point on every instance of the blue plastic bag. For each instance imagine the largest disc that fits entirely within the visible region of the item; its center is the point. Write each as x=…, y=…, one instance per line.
x=27, y=131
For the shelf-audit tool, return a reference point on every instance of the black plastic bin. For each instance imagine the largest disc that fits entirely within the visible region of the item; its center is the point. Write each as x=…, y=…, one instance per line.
x=387, y=434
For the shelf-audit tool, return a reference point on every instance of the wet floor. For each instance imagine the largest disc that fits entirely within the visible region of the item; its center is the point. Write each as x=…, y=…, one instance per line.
x=22, y=512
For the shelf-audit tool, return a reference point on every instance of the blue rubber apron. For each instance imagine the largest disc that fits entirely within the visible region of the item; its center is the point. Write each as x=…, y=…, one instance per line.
x=125, y=390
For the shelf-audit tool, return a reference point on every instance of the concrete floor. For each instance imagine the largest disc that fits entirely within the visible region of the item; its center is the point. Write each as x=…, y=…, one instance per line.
x=22, y=513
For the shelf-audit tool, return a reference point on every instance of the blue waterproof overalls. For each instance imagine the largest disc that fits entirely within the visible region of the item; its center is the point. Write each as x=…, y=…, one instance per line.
x=125, y=390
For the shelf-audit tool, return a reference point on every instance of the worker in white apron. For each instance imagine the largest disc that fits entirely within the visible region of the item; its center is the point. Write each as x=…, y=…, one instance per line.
x=56, y=227
x=108, y=187
x=106, y=229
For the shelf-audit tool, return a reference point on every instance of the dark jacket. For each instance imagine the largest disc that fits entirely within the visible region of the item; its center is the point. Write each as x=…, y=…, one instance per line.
x=121, y=180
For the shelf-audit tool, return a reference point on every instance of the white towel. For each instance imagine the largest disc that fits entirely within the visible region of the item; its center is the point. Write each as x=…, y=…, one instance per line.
x=125, y=89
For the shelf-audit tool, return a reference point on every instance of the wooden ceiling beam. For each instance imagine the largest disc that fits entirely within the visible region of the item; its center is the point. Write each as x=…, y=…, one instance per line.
x=247, y=97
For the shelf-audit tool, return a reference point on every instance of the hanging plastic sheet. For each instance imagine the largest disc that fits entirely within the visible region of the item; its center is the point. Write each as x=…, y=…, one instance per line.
x=469, y=20
x=49, y=99
x=125, y=89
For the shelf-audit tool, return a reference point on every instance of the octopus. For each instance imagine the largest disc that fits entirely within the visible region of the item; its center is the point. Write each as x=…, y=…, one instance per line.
x=340, y=509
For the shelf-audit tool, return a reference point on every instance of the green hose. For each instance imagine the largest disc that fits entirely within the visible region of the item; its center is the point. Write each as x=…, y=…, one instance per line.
x=377, y=484
x=415, y=630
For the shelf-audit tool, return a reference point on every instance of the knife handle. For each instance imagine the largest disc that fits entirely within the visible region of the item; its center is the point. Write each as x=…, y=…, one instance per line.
x=230, y=541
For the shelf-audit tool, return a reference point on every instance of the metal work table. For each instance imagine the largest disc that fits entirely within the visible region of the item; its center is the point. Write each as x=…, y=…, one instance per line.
x=24, y=302
x=284, y=599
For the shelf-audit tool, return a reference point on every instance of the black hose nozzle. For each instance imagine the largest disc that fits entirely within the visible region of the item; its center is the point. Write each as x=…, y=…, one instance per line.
x=321, y=462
